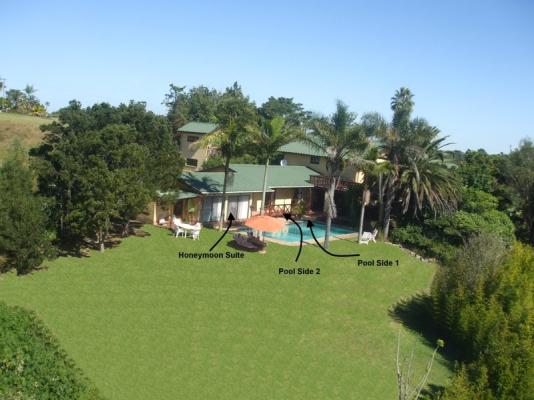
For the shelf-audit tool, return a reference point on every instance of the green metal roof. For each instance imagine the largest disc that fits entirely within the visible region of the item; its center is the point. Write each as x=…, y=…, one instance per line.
x=249, y=178
x=182, y=195
x=198, y=127
x=301, y=148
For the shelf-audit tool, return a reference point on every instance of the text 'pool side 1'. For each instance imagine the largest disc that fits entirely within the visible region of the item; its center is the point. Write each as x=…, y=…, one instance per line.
x=293, y=271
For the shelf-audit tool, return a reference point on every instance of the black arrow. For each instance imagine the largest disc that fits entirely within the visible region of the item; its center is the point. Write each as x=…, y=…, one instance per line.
x=230, y=219
x=287, y=216
x=309, y=225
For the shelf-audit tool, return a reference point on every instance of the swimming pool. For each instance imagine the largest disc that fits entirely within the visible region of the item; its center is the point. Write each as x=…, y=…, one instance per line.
x=291, y=232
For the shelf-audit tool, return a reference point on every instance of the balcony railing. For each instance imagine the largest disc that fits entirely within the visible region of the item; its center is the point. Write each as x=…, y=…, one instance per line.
x=322, y=182
x=277, y=210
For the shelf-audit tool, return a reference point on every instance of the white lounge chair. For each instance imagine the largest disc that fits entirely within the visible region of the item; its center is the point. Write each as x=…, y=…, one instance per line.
x=368, y=237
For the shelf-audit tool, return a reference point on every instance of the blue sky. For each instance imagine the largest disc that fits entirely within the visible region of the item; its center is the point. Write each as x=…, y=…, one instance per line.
x=470, y=64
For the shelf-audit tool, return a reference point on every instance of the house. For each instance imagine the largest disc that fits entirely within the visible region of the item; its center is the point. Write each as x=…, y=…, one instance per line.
x=300, y=153
x=200, y=196
x=297, y=185
x=188, y=136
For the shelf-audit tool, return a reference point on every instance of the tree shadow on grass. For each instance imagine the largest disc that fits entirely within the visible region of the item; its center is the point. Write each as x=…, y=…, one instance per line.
x=82, y=248
x=415, y=313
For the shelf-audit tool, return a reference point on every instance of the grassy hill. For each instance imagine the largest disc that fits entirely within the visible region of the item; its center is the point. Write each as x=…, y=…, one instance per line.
x=22, y=127
x=143, y=323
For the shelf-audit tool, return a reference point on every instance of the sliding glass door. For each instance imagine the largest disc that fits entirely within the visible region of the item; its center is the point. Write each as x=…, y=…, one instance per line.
x=239, y=206
x=211, y=208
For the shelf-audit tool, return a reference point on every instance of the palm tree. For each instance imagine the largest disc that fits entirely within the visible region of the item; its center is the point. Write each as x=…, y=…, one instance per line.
x=426, y=180
x=230, y=141
x=344, y=141
x=272, y=135
x=237, y=118
x=2, y=90
x=30, y=100
x=370, y=171
x=413, y=161
x=2, y=85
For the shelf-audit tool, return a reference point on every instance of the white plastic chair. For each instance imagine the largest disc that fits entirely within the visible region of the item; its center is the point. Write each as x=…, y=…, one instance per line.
x=368, y=237
x=176, y=227
x=195, y=233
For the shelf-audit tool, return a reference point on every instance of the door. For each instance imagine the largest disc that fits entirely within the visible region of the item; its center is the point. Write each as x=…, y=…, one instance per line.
x=242, y=212
x=233, y=206
x=211, y=209
x=239, y=206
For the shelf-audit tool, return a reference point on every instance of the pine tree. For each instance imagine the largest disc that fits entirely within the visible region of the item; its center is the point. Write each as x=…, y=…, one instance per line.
x=24, y=240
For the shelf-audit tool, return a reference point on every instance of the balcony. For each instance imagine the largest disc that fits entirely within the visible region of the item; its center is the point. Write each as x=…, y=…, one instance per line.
x=322, y=182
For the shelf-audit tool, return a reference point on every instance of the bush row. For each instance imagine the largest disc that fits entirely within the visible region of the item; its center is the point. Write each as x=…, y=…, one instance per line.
x=33, y=365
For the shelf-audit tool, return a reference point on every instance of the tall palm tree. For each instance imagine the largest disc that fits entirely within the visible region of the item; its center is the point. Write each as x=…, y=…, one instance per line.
x=426, y=179
x=344, y=141
x=412, y=161
x=272, y=135
x=2, y=90
x=2, y=85
x=230, y=141
x=236, y=115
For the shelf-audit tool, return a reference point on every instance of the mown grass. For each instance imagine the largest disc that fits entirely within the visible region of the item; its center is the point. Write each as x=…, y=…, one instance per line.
x=23, y=128
x=144, y=324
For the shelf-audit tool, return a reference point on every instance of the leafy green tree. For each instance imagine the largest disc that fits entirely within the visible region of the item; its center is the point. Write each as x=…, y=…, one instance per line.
x=197, y=104
x=24, y=239
x=102, y=164
x=519, y=174
x=15, y=99
x=477, y=170
x=286, y=108
x=344, y=141
x=236, y=115
x=272, y=135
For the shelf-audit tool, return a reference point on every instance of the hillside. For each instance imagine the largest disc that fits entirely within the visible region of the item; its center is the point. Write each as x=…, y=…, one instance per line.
x=23, y=127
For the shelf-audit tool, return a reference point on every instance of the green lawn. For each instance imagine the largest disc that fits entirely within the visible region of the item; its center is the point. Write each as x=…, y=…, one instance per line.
x=144, y=324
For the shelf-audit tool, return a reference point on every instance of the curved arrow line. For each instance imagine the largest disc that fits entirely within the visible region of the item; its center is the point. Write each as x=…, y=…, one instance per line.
x=288, y=216
x=326, y=251
x=230, y=219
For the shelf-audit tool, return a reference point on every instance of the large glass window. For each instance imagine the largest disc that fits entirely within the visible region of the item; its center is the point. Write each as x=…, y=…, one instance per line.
x=211, y=208
x=239, y=206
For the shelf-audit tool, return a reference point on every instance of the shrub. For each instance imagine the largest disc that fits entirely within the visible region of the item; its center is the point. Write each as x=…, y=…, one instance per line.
x=477, y=201
x=484, y=304
x=429, y=245
x=32, y=364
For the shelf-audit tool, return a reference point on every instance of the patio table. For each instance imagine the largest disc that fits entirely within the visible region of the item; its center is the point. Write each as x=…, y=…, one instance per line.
x=187, y=227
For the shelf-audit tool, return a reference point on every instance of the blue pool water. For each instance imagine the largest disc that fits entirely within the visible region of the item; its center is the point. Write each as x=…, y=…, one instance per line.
x=291, y=232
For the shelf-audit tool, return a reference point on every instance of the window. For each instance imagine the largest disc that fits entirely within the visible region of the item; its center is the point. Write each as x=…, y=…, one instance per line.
x=239, y=206
x=315, y=160
x=192, y=162
x=211, y=208
x=192, y=139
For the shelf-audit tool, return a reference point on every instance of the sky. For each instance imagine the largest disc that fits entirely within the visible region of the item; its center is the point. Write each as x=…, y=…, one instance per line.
x=470, y=64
